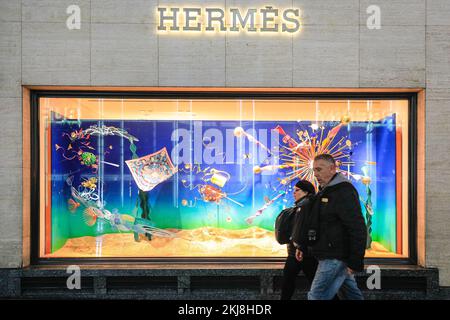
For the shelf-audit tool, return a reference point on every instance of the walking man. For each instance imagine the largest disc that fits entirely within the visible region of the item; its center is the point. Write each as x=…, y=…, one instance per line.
x=338, y=225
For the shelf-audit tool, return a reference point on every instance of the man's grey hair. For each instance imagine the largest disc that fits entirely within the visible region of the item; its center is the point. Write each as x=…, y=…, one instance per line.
x=325, y=157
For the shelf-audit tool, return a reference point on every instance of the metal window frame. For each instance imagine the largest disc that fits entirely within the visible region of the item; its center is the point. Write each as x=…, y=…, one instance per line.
x=35, y=95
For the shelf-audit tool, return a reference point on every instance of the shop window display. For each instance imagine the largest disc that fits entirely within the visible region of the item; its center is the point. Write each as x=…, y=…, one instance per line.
x=171, y=178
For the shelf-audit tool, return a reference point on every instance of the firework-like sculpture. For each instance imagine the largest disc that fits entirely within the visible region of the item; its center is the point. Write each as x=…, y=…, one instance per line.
x=299, y=156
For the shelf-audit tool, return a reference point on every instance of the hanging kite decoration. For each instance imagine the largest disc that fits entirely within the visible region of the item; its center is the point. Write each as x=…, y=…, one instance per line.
x=152, y=169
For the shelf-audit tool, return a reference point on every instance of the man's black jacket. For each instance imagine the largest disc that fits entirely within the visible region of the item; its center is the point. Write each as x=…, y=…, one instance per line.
x=342, y=231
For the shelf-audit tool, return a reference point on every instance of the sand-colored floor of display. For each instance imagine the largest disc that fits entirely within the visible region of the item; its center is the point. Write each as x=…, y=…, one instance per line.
x=201, y=242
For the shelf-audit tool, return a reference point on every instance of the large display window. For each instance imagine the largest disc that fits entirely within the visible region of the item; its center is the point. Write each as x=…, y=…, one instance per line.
x=205, y=177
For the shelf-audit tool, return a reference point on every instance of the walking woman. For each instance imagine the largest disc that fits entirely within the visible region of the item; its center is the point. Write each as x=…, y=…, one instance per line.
x=303, y=191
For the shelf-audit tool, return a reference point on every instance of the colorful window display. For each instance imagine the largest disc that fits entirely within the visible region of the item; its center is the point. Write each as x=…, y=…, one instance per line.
x=172, y=178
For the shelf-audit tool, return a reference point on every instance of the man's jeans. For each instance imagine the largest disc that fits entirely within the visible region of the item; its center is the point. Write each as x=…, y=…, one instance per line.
x=332, y=277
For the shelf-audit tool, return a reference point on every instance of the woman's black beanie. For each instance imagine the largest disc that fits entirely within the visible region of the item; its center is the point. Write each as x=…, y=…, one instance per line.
x=306, y=186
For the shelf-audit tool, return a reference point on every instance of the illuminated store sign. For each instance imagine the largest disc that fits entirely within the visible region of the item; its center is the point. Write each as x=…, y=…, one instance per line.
x=265, y=20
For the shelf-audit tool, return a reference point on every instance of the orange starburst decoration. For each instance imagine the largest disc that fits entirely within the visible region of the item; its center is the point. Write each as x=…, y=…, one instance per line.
x=299, y=156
